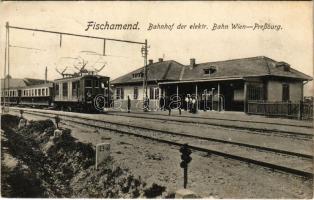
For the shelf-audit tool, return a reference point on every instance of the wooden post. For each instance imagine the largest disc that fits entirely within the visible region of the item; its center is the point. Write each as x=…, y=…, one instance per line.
x=218, y=102
x=177, y=95
x=245, y=97
x=196, y=99
x=300, y=110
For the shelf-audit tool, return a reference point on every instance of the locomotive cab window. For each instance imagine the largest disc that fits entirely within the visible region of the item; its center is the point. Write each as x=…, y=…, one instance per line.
x=104, y=83
x=88, y=83
x=96, y=83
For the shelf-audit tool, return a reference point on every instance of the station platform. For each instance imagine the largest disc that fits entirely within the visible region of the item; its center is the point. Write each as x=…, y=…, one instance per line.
x=227, y=115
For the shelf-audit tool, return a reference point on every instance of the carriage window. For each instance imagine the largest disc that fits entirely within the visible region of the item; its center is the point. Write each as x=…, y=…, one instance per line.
x=57, y=89
x=43, y=92
x=65, y=89
x=39, y=92
x=88, y=83
x=47, y=92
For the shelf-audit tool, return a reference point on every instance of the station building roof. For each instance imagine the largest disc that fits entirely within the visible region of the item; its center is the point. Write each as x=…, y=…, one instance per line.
x=172, y=71
x=241, y=68
x=160, y=71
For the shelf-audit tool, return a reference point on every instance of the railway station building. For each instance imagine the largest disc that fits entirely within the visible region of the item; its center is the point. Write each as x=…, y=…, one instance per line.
x=230, y=85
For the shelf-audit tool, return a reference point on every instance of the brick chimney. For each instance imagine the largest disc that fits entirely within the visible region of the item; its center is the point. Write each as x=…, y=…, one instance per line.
x=151, y=61
x=192, y=63
x=160, y=60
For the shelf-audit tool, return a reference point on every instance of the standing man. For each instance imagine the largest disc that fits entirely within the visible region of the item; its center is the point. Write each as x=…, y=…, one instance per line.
x=193, y=105
x=129, y=104
x=187, y=102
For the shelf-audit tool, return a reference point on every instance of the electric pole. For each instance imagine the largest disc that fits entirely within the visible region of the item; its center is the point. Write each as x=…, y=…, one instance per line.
x=145, y=96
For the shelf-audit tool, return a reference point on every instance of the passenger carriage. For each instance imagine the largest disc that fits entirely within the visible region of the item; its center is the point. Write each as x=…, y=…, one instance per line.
x=36, y=95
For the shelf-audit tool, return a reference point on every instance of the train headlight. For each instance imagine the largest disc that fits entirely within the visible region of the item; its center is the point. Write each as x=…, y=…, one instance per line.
x=88, y=94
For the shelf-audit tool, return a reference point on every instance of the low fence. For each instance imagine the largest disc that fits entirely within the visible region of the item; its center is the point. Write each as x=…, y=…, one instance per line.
x=298, y=110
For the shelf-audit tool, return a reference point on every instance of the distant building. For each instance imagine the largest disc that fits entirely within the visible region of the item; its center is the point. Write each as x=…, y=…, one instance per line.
x=221, y=85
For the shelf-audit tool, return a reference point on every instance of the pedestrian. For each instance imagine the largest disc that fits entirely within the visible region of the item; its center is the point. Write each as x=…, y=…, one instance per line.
x=187, y=103
x=129, y=104
x=193, y=105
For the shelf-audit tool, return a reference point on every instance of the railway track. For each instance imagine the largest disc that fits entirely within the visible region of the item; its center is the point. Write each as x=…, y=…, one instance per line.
x=274, y=159
x=206, y=121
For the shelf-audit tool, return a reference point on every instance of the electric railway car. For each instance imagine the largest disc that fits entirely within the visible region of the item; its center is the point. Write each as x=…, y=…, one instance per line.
x=87, y=92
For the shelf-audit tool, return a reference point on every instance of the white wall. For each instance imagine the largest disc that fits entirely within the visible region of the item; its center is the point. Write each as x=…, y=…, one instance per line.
x=274, y=90
x=296, y=91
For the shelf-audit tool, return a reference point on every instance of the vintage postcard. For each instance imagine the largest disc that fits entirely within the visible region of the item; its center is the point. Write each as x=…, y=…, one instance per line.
x=157, y=99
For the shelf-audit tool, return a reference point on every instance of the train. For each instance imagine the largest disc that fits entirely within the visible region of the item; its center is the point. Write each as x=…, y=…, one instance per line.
x=84, y=93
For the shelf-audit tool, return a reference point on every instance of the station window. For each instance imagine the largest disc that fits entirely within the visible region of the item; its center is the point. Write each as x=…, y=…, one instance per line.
x=138, y=75
x=135, y=93
x=285, y=92
x=120, y=93
x=255, y=93
x=154, y=93
x=65, y=89
x=57, y=89
x=210, y=70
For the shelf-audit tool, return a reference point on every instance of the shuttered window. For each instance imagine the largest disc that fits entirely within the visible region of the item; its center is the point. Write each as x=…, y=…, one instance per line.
x=285, y=92
x=120, y=93
x=135, y=95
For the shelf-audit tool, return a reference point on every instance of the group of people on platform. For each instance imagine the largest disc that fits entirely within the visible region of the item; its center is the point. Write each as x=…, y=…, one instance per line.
x=190, y=104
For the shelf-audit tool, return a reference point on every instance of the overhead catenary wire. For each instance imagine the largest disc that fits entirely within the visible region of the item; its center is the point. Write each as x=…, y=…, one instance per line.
x=144, y=48
x=73, y=34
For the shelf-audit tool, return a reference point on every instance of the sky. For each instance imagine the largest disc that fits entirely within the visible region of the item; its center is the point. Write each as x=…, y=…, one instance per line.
x=293, y=43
